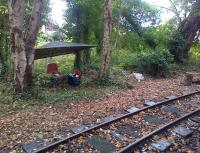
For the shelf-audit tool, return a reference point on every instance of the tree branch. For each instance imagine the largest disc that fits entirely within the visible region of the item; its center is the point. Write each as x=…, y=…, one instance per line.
x=168, y=9
x=34, y=23
x=176, y=11
x=171, y=10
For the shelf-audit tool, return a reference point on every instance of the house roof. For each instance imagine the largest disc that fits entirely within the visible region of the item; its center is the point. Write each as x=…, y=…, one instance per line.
x=57, y=48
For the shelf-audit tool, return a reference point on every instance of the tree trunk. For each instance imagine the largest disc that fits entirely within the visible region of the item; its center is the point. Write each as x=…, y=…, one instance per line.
x=189, y=30
x=77, y=62
x=185, y=35
x=86, y=53
x=106, y=40
x=22, y=43
x=86, y=56
x=115, y=47
x=99, y=42
x=30, y=40
x=16, y=18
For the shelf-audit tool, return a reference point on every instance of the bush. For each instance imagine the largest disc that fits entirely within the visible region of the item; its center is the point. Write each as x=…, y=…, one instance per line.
x=122, y=59
x=176, y=45
x=106, y=81
x=153, y=63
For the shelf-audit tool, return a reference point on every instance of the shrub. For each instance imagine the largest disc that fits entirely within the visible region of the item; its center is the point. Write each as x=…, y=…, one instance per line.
x=105, y=81
x=153, y=63
x=122, y=59
x=176, y=45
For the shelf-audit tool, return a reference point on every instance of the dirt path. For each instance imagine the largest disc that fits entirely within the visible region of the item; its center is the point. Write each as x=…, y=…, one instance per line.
x=44, y=121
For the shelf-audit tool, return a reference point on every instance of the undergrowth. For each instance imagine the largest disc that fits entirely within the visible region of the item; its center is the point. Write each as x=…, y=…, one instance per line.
x=46, y=93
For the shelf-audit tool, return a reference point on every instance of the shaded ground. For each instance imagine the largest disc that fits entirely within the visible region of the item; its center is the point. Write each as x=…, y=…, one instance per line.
x=44, y=121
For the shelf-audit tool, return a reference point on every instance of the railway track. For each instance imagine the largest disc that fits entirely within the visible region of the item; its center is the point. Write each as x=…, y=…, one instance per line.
x=131, y=147
x=124, y=133
x=182, y=137
x=115, y=135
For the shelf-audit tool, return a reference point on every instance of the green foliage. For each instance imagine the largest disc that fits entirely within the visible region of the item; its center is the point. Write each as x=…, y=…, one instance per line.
x=182, y=39
x=125, y=42
x=4, y=41
x=84, y=20
x=5, y=50
x=109, y=80
x=162, y=34
x=44, y=16
x=181, y=9
x=42, y=78
x=131, y=18
x=176, y=45
x=137, y=13
x=84, y=23
x=195, y=52
x=104, y=81
x=41, y=95
x=115, y=79
x=41, y=39
x=134, y=22
x=153, y=63
x=123, y=59
x=45, y=95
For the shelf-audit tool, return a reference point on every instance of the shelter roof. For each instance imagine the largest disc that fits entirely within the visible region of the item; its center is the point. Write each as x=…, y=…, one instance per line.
x=57, y=48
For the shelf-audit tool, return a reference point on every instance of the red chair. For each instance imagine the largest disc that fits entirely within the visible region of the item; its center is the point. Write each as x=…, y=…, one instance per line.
x=52, y=68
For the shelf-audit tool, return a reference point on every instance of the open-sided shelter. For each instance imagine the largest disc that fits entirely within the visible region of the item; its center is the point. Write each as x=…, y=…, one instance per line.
x=57, y=48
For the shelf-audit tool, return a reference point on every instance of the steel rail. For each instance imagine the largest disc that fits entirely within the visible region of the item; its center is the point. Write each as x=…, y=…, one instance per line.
x=65, y=140
x=130, y=147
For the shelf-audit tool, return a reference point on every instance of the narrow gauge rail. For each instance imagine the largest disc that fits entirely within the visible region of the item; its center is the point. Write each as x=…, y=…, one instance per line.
x=130, y=147
x=104, y=124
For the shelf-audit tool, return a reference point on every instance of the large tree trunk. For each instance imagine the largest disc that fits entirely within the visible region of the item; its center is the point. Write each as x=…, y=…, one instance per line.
x=22, y=43
x=180, y=45
x=16, y=17
x=30, y=40
x=106, y=40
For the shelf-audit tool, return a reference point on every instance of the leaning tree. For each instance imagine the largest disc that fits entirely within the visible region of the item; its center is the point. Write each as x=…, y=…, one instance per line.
x=186, y=32
x=23, y=40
